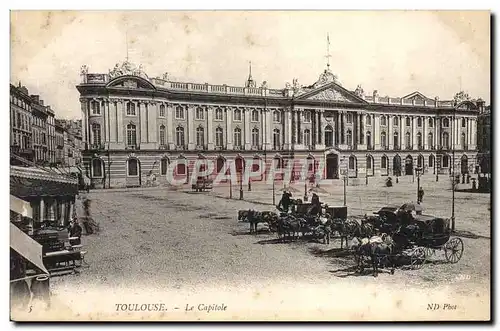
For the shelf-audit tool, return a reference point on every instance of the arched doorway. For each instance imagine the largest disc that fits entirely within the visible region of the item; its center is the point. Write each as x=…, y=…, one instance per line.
x=396, y=165
x=332, y=166
x=256, y=164
x=420, y=162
x=220, y=164
x=409, y=165
x=384, y=165
x=464, y=164
x=432, y=163
x=133, y=172
x=369, y=165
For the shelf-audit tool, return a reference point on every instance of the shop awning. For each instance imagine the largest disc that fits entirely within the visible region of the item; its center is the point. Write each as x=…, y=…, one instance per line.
x=27, y=247
x=34, y=182
x=21, y=207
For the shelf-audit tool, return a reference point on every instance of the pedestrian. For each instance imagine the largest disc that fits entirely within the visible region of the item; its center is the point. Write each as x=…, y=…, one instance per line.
x=75, y=230
x=420, y=195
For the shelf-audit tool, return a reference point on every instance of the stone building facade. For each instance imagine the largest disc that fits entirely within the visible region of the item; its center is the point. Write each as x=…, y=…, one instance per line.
x=134, y=126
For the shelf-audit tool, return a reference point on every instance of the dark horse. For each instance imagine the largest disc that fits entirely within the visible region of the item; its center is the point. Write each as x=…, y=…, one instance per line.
x=378, y=252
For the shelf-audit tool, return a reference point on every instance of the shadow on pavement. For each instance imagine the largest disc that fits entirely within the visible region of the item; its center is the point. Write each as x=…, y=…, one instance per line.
x=334, y=252
x=469, y=235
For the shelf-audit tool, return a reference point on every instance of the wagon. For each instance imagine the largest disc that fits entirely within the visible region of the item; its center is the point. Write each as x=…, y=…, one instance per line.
x=435, y=235
x=202, y=184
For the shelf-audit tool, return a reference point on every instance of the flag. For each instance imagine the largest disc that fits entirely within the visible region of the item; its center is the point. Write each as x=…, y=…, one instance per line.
x=328, y=38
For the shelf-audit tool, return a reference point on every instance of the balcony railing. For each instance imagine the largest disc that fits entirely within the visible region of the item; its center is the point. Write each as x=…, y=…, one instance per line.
x=163, y=146
x=96, y=146
x=220, y=148
x=200, y=147
x=180, y=147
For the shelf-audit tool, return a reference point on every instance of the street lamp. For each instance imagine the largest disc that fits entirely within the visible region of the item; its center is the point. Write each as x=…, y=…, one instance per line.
x=241, y=186
x=230, y=187
x=453, y=134
x=418, y=172
x=345, y=178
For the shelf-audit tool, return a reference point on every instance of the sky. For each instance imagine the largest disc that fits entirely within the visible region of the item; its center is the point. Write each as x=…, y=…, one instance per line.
x=393, y=52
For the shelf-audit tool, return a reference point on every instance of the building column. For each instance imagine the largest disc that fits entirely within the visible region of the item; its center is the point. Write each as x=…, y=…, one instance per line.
x=425, y=121
x=84, y=111
x=120, y=106
x=474, y=134
x=62, y=218
x=210, y=128
x=153, y=129
x=390, y=133
x=113, y=125
x=229, y=127
x=71, y=210
x=270, y=128
x=190, y=124
x=143, y=121
x=42, y=210
x=170, y=129
x=342, y=128
x=414, y=133
x=320, y=139
x=248, y=133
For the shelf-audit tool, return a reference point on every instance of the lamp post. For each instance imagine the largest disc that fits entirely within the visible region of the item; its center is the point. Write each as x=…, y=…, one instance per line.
x=230, y=187
x=453, y=134
x=241, y=186
x=345, y=185
x=418, y=172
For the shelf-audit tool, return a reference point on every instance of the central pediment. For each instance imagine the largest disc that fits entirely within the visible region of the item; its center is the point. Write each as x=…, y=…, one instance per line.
x=331, y=92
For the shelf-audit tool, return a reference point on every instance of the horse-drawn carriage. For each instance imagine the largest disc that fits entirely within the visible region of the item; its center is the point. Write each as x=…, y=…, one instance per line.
x=202, y=184
x=409, y=245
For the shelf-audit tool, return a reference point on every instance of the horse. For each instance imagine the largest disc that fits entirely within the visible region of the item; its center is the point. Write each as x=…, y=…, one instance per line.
x=377, y=249
x=288, y=225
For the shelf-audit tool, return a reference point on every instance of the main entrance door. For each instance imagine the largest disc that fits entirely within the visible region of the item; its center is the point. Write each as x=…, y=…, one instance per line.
x=409, y=165
x=332, y=166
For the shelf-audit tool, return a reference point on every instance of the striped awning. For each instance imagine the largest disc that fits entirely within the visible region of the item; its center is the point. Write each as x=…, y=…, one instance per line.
x=27, y=247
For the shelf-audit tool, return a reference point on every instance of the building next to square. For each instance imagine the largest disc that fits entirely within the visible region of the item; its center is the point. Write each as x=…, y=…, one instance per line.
x=135, y=126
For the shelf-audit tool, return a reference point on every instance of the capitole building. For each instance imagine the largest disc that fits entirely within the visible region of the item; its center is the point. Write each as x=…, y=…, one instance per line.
x=135, y=126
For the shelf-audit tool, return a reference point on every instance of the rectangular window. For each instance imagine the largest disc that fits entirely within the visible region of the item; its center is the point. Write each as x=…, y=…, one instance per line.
x=179, y=113
x=218, y=114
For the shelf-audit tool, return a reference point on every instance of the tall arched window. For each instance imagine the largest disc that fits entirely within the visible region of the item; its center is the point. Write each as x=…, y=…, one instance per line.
x=430, y=140
x=383, y=120
x=396, y=165
x=368, y=120
x=200, y=113
x=133, y=167
x=352, y=162
x=237, y=114
x=408, y=121
x=407, y=140
x=96, y=133
x=237, y=137
x=328, y=136
x=97, y=166
x=431, y=161
x=220, y=164
x=219, y=115
x=255, y=115
x=446, y=122
x=131, y=135
x=349, y=138
x=383, y=140
x=162, y=135
x=276, y=116
x=179, y=112
x=420, y=161
x=162, y=110
x=164, y=166
x=395, y=121
x=419, y=122
x=419, y=141
x=446, y=161
x=219, y=137
x=200, y=136
x=255, y=137
x=369, y=165
x=384, y=162
x=307, y=116
x=446, y=140
x=464, y=123
x=368, y=139
x=463, y=141
x=307, y=137
x=130, y=109
x=396, y=140
x=179, y=136
x=431, y=123
x=276, y=139
x=96, y=107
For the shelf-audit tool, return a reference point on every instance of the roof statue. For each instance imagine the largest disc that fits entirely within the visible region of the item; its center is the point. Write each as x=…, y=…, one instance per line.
x=297, y=88
x=264, y=84
x=250, y=82
x=359, y=91
x=460, y=97
x=288, y=86
x=84, y=69
x=165, y=76
x=326, y=77
x=127, y=68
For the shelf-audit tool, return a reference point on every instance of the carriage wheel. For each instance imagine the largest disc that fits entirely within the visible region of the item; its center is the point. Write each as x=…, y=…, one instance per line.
x=417, y=258
x=453, y=250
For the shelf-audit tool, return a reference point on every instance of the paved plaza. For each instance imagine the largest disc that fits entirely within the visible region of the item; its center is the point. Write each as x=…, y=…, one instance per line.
x=178, y=241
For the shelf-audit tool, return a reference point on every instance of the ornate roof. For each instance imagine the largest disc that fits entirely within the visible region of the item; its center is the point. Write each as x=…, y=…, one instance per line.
x=326, y=77
x=127, y=68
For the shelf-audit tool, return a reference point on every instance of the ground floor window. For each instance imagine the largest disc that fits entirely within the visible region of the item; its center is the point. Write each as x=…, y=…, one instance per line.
x=181, y=169
x=446, y=161
x=133, y=167
x=97, y=168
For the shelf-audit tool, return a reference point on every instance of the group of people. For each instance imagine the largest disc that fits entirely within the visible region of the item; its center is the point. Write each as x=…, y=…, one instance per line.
x=286, y=202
